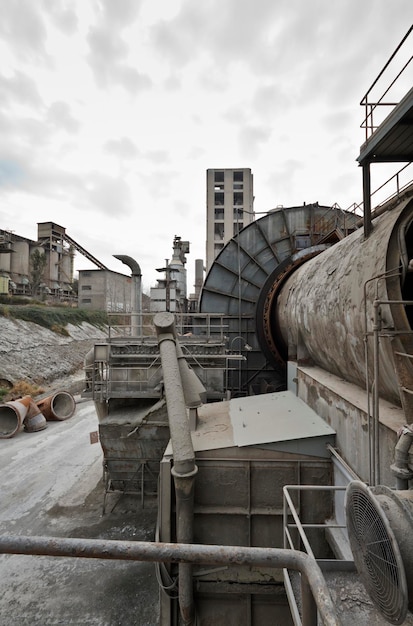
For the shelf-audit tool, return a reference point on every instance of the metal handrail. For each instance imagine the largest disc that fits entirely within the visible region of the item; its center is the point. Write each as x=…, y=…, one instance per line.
x=181, y=553
x=210, y=325
x=289, y=506
x=370, y=107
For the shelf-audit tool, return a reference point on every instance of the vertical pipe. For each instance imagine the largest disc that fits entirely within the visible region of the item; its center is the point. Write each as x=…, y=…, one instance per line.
x=309, y=607
x=136, y=293
x=366, y=199
x=400, y=468
x=184, y=469
x=376, y=424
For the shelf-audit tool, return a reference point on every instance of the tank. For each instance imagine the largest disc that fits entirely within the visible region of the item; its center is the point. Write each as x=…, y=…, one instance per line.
x=20, y=260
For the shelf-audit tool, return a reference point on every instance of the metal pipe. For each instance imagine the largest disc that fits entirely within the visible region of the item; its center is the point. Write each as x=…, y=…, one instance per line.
x=366, y=199
x=309, y=607
x=183, y=450
x=193, y=388
x=136, y=293
x=400, y=467
x=181, y=553
x=184, y=469
x=376, y=418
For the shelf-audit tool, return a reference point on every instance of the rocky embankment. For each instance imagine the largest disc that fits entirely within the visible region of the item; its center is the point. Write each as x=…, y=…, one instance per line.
x=40, y=356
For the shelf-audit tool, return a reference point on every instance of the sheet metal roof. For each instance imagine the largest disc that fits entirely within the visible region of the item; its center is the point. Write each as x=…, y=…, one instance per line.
x=279, y=421
x=274, y=417
x=392, y=141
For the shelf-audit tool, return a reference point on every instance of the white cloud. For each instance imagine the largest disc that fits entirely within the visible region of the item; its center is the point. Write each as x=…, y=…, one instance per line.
x=110, y=112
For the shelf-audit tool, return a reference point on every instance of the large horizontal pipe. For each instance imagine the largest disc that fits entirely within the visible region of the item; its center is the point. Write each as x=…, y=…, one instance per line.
x=180, y=553
x=324, y=311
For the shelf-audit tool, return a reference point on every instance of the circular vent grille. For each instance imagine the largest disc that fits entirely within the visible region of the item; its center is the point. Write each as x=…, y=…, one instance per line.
x=376, y=553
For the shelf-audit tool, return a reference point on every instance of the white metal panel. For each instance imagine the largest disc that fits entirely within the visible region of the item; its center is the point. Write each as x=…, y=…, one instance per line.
x=274, y=417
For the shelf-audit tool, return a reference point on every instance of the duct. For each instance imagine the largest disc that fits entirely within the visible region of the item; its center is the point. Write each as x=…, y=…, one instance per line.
x=400, y=467
x=136, y=293
x=57, y=407
x=192, y=554
x=184, y=469
x=12, y=415
x=194, y=390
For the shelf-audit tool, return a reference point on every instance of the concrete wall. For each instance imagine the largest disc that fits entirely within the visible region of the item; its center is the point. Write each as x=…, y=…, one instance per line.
x=105, y=291
x=227, y=190
x=344, y=407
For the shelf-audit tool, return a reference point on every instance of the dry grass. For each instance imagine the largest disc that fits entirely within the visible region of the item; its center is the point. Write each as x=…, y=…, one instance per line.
x=22, y=388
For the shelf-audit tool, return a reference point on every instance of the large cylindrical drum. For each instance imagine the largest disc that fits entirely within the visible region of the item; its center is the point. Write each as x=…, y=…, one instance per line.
x=330, y=307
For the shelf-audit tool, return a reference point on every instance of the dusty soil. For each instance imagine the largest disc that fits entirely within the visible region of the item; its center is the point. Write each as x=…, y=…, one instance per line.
x=39, y=356
x=49, y=591
x=52, y=486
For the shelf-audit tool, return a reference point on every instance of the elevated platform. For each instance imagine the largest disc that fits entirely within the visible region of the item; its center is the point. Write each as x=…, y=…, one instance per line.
x=392, y=141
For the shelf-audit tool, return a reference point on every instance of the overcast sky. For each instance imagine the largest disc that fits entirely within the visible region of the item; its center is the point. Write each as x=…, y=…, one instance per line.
x=112, y=110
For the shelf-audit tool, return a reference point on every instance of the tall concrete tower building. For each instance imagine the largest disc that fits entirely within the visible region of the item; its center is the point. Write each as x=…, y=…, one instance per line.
x=230, y=201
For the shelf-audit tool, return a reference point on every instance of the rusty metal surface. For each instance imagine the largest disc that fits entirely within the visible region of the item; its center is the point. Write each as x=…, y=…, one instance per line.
x=322, y=310
x=234, y=285
x=180, y=553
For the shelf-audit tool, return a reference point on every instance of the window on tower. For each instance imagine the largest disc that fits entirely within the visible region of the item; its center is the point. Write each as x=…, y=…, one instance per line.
x=238, y=198
x=219, y=198
x=218, y=177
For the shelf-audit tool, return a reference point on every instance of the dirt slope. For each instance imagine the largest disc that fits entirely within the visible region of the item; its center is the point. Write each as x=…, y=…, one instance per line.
x=38, y=355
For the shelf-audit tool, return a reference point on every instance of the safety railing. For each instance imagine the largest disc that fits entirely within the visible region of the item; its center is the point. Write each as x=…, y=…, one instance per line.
x=347, y=220
x=379, y=332
x=198, y=326
x=335, y=219
x=371, y=105
x=293, y=524
x=194, y=554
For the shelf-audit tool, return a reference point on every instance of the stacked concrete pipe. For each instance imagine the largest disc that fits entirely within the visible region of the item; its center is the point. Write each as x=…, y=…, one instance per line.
x=33, y=416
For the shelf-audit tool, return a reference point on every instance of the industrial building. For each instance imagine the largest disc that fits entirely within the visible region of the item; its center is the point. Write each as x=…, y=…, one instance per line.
x=16, y=267
x=104, y=290
x=230, y=207
x=170, y=293
x=275, y=424
x=16, y=262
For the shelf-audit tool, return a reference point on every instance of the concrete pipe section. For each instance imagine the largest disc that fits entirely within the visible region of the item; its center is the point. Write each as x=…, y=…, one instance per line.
x=12, y=416
x=34, y=420
x=58, y=406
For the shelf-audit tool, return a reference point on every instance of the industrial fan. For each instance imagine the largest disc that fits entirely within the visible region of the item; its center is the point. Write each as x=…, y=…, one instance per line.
x=380, y=531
